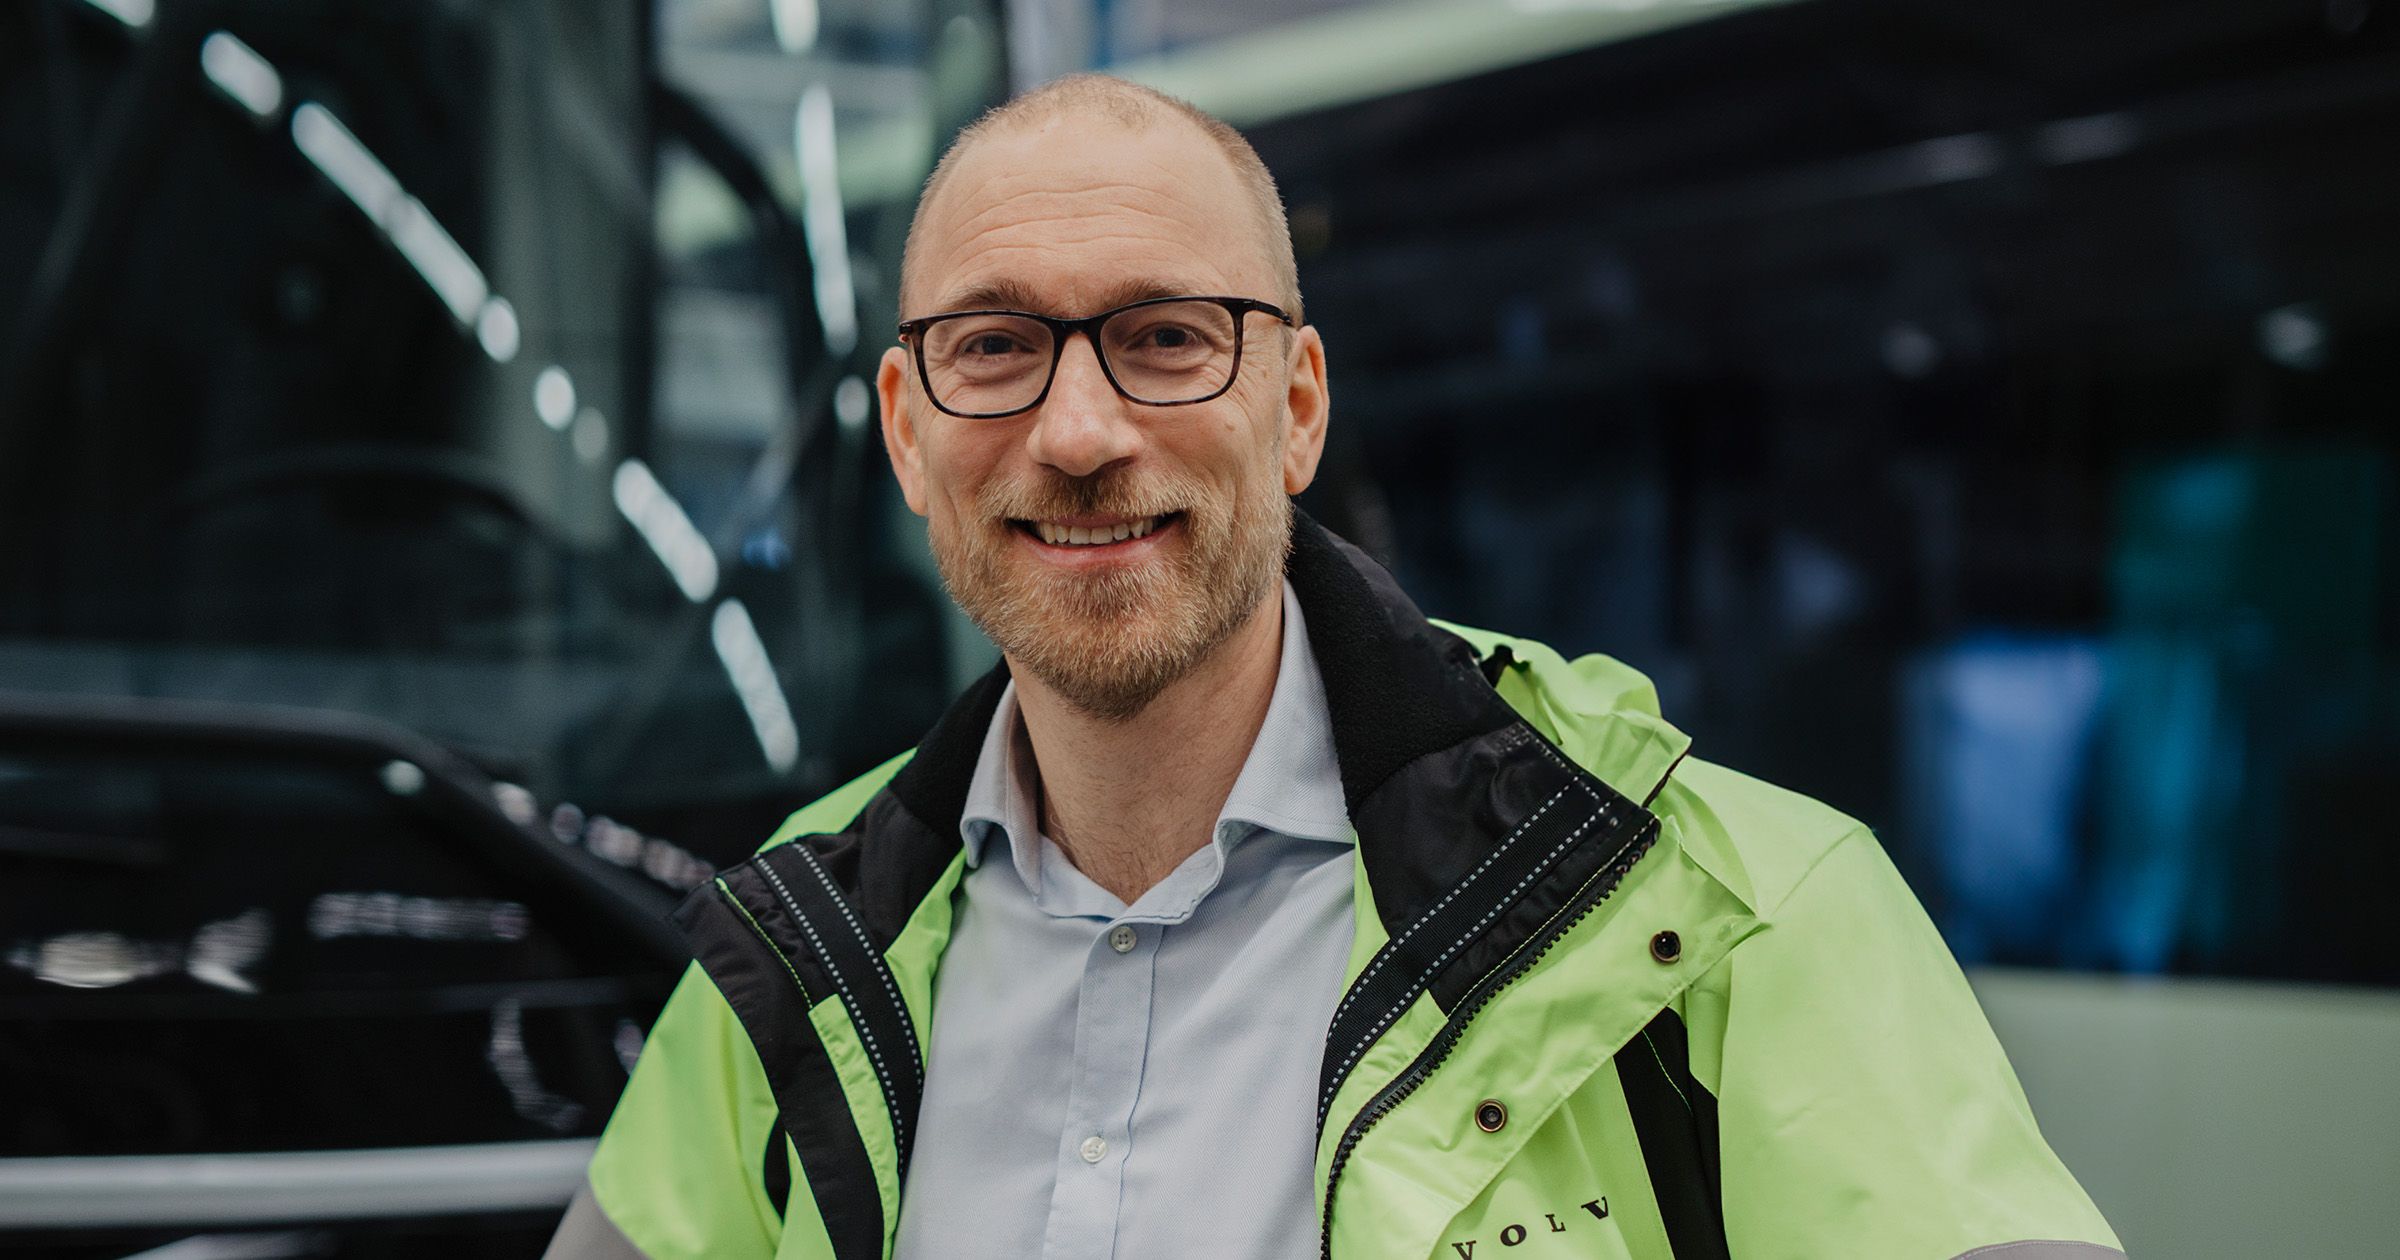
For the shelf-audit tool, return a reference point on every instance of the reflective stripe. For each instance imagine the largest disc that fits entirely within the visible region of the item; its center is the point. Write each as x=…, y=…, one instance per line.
x=289, y=1185
x=588, y=1234
x=2041, y=1251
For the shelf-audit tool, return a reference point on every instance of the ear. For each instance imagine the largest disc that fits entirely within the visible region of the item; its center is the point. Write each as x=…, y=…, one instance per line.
x=1306, y=409
x=899, y=428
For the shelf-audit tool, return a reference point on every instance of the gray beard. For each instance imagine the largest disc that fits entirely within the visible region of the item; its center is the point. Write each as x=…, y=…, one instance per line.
x=1110, y=643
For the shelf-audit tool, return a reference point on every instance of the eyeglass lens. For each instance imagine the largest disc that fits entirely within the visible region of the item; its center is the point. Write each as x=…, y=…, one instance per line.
x=1170, y=352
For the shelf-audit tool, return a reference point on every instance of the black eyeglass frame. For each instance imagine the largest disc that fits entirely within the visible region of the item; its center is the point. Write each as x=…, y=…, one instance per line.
x=912, y=331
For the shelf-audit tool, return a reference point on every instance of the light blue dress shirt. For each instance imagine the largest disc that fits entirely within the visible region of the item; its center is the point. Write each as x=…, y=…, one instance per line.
x=1110, y=1080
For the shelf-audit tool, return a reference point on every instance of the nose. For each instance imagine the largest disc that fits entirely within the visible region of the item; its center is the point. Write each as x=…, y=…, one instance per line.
x=1084, y=425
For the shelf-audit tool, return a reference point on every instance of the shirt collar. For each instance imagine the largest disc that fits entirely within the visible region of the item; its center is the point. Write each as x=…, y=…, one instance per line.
x=1001, y=795
x=1289, y=784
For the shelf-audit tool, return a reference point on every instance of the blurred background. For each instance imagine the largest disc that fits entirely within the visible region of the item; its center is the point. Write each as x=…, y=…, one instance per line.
x=444, y=518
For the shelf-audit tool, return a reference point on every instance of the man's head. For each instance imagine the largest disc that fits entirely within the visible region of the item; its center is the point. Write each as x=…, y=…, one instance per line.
x=1073, y=200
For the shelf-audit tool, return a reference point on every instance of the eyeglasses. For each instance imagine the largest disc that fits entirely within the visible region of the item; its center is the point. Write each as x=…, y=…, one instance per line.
x=1163, y=352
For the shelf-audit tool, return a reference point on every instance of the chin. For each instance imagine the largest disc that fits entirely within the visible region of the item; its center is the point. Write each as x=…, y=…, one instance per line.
x=1108, y=661
x=1108, y=638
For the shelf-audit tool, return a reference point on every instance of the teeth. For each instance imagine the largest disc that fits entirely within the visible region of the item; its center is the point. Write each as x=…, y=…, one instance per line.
x=1083, y=536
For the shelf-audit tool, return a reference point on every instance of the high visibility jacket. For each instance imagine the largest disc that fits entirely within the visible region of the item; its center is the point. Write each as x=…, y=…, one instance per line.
x=1606, y=1000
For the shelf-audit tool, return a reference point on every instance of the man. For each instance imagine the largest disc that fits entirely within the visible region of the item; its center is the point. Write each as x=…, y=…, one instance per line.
x=1244, y=911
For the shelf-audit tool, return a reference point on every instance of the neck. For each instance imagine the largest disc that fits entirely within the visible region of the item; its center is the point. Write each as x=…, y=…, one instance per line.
x=1127, y=801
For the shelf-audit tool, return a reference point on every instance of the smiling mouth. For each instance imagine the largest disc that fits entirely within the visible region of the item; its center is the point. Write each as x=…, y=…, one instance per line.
x=1101, y=534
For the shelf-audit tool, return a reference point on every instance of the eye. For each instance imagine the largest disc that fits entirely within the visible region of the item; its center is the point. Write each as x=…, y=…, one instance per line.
x=990, y=345
x=1163, y=340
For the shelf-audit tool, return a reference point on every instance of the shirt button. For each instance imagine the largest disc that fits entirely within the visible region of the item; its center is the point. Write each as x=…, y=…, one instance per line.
x=1094, y=1148
x=1120, y=939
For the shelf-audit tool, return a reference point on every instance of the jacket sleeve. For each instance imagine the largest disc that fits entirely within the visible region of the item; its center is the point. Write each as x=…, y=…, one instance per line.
x=1865, y=1109
x=679, y=1171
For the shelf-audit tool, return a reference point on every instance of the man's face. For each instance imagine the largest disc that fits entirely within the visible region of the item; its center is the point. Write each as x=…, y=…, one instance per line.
x=1068, y=218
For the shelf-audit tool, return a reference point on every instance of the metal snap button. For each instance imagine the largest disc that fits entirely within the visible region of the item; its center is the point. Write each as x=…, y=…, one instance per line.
x=1490, y=1115
x=1121, y=938
x=1666, y=947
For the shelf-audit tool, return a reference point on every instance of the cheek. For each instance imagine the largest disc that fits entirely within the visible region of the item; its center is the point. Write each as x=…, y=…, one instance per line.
x=1218, y=446
x=957, y=468
x=1236, y=453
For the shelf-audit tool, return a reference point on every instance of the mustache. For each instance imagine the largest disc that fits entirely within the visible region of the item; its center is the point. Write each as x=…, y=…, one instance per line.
x=1109, y=492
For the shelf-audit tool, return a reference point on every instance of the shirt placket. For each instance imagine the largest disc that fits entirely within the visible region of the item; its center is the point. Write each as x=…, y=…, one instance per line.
x=1112, y=1040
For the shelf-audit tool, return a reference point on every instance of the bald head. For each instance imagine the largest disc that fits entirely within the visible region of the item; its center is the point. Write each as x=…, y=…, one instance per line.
x=1133, y=108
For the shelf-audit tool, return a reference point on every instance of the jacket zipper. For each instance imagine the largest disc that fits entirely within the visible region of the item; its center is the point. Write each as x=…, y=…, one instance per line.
x=1595, y=890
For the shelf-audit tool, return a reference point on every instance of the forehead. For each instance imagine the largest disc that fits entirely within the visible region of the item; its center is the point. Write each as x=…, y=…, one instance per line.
x=1077, y=214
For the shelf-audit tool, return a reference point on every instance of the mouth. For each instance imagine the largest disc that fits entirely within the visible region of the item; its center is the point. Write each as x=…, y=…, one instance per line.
x=1095, y=533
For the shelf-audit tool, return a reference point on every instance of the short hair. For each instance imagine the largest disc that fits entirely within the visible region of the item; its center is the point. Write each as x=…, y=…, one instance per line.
x=1137, y=108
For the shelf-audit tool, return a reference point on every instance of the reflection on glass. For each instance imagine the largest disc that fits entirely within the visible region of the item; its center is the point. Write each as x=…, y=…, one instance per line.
x=219, y=953
x=753, y=676
x=336, y=915
x=517, y=1074
x=237, y=69
x=662, y=523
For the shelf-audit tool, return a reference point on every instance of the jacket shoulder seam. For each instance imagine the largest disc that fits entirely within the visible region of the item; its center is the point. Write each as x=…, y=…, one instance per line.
x=1850, y=836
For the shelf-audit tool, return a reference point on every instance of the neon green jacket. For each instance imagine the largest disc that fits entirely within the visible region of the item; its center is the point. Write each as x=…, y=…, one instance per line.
x=1606, y=1000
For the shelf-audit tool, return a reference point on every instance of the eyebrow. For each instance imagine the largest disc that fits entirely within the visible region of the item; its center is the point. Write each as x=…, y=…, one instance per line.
x=1016, y=295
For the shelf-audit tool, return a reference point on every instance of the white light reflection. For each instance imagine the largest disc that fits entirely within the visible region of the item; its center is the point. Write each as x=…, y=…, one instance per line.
x=613, y=841
x=452, y=275
x=2086, y=139
x=342, y=915
x=243, y=1246
x=496, y=329
x=850, y=404
x=628, y=1043
x=821, y=218
x=130, y=12
x=516, y=801
x=661, y=522
x=2295, y=336
x=554, y=397
x=745, y=657
x=218, y=955
x=324, y=141
x=436, y=256
x=95, y=960
x=402, y=778
x=1955, y=159
x=514, y=1067
x=223, y=950
x=663, y=860
x=590, y=436
x=795, y=23
x=238, y=71
x=1910, y=352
